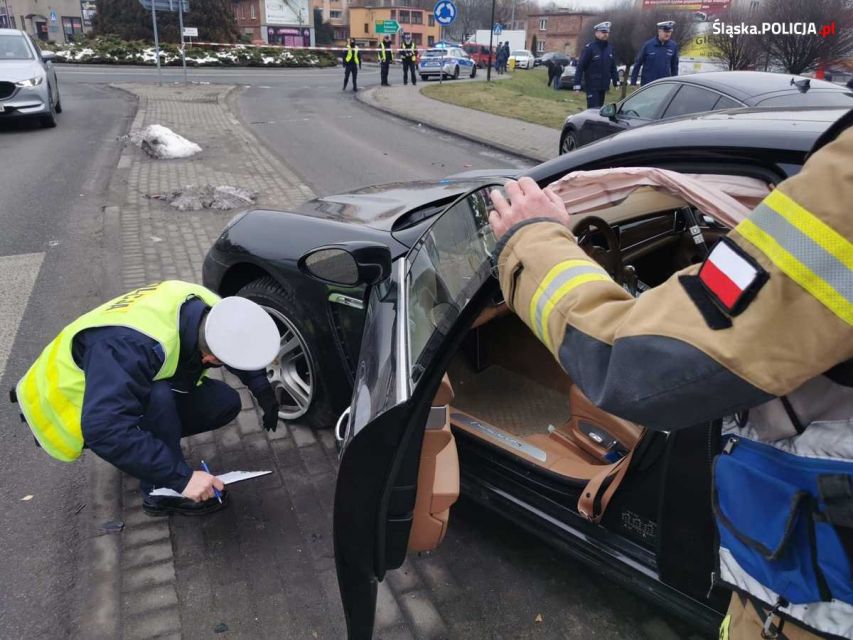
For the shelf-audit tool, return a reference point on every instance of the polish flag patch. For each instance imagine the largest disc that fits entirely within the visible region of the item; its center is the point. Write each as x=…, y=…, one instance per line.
x=731, y=276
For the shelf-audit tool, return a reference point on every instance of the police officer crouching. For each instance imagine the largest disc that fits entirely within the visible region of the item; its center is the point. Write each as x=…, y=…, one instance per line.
x=597, y=67
x=658, y=56
x=386, y=57
x=127, y=380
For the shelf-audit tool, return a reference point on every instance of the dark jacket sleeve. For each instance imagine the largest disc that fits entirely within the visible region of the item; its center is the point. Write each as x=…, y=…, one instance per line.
x=582, y=64
x=674, y=62
x=119, y=374
x=256, y=381
x=641, y=57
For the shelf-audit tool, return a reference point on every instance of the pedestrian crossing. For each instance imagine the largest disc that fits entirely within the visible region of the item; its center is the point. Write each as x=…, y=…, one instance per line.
x=18, y=275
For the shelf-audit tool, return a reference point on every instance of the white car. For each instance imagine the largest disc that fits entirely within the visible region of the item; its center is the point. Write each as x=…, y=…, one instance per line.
x=523, y=58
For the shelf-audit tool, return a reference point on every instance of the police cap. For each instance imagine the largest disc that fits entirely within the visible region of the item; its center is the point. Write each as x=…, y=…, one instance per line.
x=604, y=27
x=666, y=25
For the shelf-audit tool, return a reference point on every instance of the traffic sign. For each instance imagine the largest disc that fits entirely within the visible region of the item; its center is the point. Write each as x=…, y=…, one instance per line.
x=191, y=32
x=165, y=5
x=387, y=26
x=53, y=16
x=498, y=29
x=444, y=12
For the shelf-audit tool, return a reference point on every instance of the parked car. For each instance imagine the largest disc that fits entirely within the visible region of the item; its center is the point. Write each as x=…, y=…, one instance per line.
x=479, y=53
x=523, y=59
x=394, y=330
x=682, y=95
x=28, y=84
x=448, y=62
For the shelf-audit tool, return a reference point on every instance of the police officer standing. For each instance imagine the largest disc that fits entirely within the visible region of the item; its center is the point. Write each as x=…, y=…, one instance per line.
x=127, y=380
x=597, y=67
x=758, y=337
x=352, y=63
x=409, y=54
x=658, y=56
x=386, y=57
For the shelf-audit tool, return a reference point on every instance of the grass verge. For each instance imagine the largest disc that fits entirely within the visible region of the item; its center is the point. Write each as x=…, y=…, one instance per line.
x=525, y=96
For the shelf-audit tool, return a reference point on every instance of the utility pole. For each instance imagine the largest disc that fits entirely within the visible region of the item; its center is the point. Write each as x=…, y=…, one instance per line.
x=181, y=25
x=156, y=41
x=491, y=37
x=8, y=24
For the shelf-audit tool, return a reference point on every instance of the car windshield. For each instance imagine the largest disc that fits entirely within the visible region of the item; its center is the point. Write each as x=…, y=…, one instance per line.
x=435, y=53
x=521, y=53
x=14, y=47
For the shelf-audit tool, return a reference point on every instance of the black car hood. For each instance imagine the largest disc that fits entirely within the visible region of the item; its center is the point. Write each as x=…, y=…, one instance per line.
x=379, y=206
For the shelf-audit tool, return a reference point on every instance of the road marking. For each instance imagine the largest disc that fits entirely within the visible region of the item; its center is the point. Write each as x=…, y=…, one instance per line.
x=17, y=278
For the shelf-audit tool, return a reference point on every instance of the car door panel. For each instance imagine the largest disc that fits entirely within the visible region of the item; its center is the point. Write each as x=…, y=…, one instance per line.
x=399, y=472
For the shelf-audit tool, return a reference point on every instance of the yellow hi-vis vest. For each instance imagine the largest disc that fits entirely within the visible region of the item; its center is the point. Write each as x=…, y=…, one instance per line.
x=384, y=54
x=51, y=393
x=352, y=54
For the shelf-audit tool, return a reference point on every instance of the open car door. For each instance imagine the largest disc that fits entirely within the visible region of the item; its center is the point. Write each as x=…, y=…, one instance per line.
x=399, y=474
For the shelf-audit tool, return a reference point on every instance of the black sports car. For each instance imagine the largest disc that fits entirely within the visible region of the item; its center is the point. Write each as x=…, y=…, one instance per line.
x=696, y=93
x=393, y=329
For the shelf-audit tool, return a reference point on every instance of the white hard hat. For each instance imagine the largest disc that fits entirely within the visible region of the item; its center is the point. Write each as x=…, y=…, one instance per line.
x=241, y=334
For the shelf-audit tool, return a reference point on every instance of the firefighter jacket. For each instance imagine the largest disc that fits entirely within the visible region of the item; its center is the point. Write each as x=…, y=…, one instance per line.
x=409, y=52
x=352, y=57
x=597, y=67
x=759, y=332
x=385, y=53
x=658, y=59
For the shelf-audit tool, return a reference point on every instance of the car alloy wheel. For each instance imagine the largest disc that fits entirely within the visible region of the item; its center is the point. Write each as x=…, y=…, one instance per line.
x=456, y=72
x=291, y=374
x=569, y=143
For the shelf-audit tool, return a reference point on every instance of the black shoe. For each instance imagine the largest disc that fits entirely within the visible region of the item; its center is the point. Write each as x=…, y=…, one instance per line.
x=165, y=505
x=355, y=89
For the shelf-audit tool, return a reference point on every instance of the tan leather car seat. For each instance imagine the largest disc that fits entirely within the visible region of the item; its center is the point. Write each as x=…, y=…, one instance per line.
x=438, y=476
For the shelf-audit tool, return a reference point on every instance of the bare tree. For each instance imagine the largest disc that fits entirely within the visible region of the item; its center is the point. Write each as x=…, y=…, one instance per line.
x=800, y=53
x=738, y=50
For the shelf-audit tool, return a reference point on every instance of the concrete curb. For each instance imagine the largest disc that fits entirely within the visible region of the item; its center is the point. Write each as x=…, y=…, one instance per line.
x=365, y=97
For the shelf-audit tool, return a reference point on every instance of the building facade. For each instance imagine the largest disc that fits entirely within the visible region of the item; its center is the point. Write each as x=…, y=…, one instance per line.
x=336, y=13
x=58, y=21
x=283, y=22
x=419, y=22
x=247, y=14
x=556, y=31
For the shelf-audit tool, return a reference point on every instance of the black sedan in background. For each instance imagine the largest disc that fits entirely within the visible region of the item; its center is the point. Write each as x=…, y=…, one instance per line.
x=394, y=331
x=711, y=91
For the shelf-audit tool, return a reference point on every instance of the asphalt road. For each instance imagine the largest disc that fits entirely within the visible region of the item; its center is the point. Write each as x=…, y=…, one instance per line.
x=51, y=269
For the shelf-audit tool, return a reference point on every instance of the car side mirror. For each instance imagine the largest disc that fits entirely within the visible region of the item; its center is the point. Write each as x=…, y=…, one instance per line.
x=608, y=111
x=47, y=56
x=348, y=264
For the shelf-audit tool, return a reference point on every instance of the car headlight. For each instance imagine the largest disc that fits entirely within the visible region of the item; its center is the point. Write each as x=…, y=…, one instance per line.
x=32, y=82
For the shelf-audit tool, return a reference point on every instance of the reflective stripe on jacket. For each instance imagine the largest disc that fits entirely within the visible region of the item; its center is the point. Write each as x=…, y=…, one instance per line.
x=409, y=51
x=352, y=55
x=51, y=393
x=385, y=54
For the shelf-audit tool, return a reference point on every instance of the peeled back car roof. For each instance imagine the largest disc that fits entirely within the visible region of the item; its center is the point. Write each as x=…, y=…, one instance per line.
x=792, y=129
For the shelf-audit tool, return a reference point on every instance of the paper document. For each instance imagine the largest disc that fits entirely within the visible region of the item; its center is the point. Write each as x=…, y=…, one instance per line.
x=227, y=478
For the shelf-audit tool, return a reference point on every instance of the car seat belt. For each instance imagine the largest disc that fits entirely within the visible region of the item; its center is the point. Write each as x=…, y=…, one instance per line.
x=595, y=492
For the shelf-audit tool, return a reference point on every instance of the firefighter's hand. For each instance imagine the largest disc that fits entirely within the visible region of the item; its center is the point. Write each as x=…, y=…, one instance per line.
x=526, y=201
x=200, y=487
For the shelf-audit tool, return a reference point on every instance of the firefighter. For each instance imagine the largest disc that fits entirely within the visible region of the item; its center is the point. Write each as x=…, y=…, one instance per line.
x=597, y=67
x=658, y=57
x=409, y=54
x=127, y=380
x=386, y=58
x=352, y=63
x=758, y=336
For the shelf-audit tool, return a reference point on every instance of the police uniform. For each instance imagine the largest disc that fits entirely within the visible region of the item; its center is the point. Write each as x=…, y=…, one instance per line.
x=409, y=55
x=597, y=69
x=657, y=58
x=761, y=332
x=127, y=381
x=352, y=63
x=386, y=57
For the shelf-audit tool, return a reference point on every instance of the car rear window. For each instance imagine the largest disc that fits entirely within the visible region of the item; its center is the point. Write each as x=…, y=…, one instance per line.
x=435, y=53
x=810, y=99
x=14, y=47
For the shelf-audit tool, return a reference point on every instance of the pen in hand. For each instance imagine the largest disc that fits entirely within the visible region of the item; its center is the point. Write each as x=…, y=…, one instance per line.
x=215, y=490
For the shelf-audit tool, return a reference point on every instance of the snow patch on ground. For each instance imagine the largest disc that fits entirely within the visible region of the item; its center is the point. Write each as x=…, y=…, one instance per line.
x=221, y=198
x=161, y=142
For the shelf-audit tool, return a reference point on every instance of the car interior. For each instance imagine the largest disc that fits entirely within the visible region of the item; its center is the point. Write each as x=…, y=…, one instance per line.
x=508, y=389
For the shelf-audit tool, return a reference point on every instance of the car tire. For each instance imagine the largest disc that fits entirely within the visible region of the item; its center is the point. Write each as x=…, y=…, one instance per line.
x=456, y=72
x=424, y=78
x=48, y=121
x=58, y=105
x=569, y=142
x=474, y=71
x=312, y=406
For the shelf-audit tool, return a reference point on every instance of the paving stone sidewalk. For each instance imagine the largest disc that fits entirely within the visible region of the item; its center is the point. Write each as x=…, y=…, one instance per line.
x=524, y=139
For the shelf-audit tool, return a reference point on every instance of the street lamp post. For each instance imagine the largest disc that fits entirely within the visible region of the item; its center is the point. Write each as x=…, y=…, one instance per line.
x=491, y=36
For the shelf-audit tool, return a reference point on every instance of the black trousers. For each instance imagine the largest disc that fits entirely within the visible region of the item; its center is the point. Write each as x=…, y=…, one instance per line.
x=171, y=415
x=351, y=68
x=595, y=99
x=383, y=71
x=408, y=67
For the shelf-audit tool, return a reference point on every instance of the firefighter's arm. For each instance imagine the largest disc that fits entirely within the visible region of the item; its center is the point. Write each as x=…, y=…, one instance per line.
x=667, y=359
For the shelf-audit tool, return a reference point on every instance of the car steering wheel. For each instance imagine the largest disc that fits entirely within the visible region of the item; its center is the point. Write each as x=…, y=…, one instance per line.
x=610, y=258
